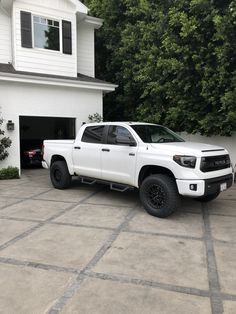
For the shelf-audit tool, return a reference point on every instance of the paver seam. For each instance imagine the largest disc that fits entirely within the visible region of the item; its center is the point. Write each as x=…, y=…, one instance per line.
x=214, y=285
x=74, y=287
x=120, y=279
x=111, y=229
x=21, y=200
x=30, y=264
x=147, y=283
x=42, y=223
x=161, y=234
x=109, y=205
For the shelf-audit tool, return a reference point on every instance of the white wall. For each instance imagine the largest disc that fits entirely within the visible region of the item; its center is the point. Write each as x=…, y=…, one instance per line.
x=227, y=142
x=85, y=49
x=42, y=60
x=35, y=100
x=5, y=38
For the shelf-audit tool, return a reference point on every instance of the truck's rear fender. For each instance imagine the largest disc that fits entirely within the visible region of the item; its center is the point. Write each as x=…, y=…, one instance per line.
x=61, y=158
x=150, y=169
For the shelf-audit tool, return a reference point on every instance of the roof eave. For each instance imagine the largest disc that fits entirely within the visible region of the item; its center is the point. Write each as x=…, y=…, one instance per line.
x=9, y=77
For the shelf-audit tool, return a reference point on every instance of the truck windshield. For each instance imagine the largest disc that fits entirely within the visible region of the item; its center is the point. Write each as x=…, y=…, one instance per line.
x=155, y=134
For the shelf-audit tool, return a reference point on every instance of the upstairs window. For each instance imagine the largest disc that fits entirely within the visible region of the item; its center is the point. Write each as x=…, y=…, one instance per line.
x=46, y=33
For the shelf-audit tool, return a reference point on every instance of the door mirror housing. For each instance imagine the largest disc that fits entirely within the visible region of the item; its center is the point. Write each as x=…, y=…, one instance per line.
x=124, y=140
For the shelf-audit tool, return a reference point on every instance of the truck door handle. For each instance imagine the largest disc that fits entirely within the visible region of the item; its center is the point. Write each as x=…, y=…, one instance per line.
x=105, y=150
x=77, y=147
x=132, y=154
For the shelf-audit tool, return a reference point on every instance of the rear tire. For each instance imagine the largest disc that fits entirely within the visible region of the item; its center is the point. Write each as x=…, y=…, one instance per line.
x=159, y=195
x=208, y=198
x=60, y=176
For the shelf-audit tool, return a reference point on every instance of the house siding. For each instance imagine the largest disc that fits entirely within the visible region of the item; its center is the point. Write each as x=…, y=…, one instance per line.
x=5, y=38
x=42, y=60
x=85, y=49
x=43, y=101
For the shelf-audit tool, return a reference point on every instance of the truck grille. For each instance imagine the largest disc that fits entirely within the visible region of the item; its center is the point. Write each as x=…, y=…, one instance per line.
x=215, y=163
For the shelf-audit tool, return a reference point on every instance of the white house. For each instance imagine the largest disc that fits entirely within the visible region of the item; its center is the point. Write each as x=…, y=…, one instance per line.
x=47, y=79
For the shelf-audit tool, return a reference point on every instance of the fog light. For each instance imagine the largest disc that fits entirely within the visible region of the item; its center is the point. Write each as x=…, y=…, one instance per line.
x=193, y=187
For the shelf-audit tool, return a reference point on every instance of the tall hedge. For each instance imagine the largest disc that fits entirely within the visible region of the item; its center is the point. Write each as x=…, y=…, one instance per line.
x=174, y=61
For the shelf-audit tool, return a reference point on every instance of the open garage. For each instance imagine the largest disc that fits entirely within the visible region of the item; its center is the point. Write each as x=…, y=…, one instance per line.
x=34, y=130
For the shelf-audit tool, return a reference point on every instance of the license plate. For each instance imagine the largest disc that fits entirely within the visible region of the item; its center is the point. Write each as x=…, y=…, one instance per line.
x=223, y=187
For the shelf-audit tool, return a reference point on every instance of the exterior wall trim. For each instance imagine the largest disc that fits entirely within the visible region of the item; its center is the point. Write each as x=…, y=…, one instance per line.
x=57, y=82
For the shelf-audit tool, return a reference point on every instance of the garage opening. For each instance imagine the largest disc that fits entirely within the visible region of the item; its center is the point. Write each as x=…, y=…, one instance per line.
x=34, y=130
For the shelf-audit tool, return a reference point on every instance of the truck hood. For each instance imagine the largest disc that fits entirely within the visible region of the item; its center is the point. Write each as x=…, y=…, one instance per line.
x=190, y=148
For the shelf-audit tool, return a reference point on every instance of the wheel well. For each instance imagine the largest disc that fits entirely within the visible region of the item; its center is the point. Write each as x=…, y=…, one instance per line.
x=149, y=170
x=57, y=158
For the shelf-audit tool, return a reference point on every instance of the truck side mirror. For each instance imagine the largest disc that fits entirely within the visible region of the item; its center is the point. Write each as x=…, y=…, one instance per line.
x=125, y=140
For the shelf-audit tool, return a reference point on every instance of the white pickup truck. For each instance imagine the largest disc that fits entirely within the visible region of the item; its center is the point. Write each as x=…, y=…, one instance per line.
x=145, y=156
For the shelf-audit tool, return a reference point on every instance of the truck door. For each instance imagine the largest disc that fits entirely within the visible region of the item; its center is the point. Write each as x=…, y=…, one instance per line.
x=87, y=152
x=119, y=156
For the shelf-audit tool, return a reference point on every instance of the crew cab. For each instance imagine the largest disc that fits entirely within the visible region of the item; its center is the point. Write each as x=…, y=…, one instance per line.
x=145, y=156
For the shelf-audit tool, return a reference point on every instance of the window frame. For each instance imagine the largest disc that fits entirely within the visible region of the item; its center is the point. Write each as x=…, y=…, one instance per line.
x=103, y=134
x=54, y=19
x=121, y=126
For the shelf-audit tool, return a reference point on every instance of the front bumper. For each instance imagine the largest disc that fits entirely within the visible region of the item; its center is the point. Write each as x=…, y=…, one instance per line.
x=196, y=188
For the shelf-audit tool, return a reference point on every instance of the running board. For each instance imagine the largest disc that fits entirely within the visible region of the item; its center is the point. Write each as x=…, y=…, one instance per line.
x=113, y=186
x=88, y=181
x=119, y=187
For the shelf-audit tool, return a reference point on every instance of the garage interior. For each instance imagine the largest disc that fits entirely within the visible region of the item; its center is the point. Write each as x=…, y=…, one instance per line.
x=34, y=130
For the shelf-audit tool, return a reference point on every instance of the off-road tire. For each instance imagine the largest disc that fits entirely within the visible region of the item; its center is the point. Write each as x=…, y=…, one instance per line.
x=60, y=176
x=208, y=198
x=159, y=195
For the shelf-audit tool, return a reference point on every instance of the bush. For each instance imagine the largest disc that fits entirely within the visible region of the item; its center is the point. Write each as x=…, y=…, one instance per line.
x=9, y=173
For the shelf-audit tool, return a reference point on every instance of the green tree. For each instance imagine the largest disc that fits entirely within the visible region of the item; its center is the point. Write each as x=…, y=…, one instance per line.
x=174, y=61
x=5, y=143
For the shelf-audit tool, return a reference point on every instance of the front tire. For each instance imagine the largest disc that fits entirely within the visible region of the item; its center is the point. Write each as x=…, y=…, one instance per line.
x=60, y=176
x=208, y=198
x=159, y=195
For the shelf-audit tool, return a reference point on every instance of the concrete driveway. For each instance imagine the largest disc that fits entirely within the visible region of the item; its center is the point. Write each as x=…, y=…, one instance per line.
x=92, y=251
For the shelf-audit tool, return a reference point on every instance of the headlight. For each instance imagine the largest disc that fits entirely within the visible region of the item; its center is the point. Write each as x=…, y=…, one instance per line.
x=185, y=161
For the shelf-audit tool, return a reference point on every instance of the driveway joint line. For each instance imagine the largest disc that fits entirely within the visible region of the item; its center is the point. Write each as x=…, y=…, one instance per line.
x=109, y=205
x=214, y=285
x=21, y=200
x=147, y=283
x=74, y=287
x=114, y=278
x=43, y=223
x=30, y=264
x=176, y=236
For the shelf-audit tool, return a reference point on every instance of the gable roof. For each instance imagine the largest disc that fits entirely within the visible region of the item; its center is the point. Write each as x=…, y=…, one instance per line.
x=81, y=79
x=80, y=6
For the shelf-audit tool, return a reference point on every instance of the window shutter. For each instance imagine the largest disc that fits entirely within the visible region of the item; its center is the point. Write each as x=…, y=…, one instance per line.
x=67, y=38
x=26, y=29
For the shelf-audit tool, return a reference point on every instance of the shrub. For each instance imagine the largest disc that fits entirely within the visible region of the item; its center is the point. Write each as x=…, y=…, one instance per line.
x=5, y=143
x=9, y=173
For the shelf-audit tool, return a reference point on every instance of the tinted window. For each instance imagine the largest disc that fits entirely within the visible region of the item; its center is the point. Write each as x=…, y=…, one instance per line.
x=120, y=131
x=93, y=134
x=156, y=134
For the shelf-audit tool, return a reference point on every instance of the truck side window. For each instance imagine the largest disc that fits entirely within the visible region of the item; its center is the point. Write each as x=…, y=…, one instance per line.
x=93, y=134
x=115, y=131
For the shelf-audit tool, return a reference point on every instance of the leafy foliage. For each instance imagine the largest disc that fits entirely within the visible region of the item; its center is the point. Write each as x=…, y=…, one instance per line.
x=174, y=61
x=9, y=173
x=96, y=117
x=5, y=143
